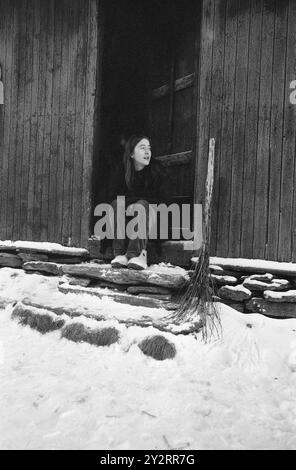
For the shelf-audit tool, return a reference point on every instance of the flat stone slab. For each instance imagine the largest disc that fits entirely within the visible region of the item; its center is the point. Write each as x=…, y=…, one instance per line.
x=148, y=289
x=76, y=281
x=289, y=296
x=26, y=257
x=236, y=293
x=272, y=309
x=174, y=278
x=219, y=271
x=125, y=298
x=223, y=280
x=156, y=296
x=214, y=269
x=10, y=260
x=110, y=285
x=45, y=267
x=253, y=265
x=275, y=285
x=42, y=247
x=67, y=260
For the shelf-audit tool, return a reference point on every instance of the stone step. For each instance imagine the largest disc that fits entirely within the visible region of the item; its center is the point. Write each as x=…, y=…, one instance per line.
x=159, y=319
x=271, y=309
x=42, y=247
x=121, y=297
x=253, y=266
x=174, y=278
x=10, y=260
x=98, y=334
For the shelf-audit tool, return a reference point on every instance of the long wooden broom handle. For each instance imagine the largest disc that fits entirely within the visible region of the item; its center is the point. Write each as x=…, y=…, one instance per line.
x=209, y=191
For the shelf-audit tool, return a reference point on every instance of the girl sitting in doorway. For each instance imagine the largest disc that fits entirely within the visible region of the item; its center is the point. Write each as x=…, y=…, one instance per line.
x=141, y=181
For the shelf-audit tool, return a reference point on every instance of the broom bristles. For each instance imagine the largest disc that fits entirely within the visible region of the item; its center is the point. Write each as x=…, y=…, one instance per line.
x=197, y=305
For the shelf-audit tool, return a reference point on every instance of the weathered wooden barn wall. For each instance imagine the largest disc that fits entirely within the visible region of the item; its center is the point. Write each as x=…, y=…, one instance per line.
x=248, y=60
x=48, y=51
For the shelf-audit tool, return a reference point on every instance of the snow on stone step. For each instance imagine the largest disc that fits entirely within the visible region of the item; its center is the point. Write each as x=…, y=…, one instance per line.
x=42, y=247
x=46, y=267
x=223, y=280
x=253, y=265
x=236, y=293
x=272, y=296
x=121, y=297
x=170, y=277
x=275, y=284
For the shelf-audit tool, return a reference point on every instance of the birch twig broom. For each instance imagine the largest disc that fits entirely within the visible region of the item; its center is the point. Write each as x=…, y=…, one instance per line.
x=197, y=304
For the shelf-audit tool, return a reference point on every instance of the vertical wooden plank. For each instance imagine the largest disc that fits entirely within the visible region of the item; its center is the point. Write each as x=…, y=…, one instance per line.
x=3, y=39
x=182, y=121
x=19, y=135
x=160, y=125
x=63, y=83
x=216, y=110
x=41, y=100
x=47, y=117
x=204, y=97
x=34, y=129
x=158, y=118
x=171, y=97
x=55, y=164
x=262, y=164
x=292, y=46
x=79, y=122
x=238, y=156
x=3, y=43
x=251, y=129
x=70, y=112
x=286, y=230
x=13, y=128
x=8, y=114
x=196, y=37
x=276, y=125
x=98, y=134
x=89, y=120
x=27, y=78
x=227, y=128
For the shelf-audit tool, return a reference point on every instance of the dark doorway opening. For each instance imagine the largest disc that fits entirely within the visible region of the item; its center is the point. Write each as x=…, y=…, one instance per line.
x=149, y=86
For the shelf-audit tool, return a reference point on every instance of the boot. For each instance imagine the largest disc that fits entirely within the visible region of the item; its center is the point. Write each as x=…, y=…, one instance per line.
x=120, y=261
x=138, y=262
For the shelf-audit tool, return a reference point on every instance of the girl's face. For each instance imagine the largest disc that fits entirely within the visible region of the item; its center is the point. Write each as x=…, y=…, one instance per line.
x=141, y=154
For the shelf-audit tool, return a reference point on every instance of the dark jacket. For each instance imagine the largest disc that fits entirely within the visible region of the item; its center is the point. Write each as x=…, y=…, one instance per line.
x=150, y=184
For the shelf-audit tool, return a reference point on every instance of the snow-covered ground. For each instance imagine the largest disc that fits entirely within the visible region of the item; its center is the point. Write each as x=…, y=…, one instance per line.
x=238, y=392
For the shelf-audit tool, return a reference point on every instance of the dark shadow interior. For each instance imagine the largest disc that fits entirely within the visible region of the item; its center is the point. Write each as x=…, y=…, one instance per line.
x=124, y=83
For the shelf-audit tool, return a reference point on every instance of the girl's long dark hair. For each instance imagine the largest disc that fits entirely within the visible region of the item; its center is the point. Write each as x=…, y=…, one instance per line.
x=129, y=168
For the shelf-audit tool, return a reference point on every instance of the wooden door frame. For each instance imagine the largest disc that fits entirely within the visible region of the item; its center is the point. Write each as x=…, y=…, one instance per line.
x=97, y=123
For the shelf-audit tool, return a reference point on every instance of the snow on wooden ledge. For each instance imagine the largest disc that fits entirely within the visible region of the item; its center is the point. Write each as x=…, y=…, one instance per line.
x=253, y=265
x=44, y=247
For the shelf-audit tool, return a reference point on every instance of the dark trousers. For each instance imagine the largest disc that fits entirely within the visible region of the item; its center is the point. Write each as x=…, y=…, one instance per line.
x=130, y=247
